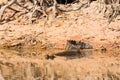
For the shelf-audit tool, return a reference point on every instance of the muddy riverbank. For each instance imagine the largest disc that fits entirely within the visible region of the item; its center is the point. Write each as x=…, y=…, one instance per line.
x=82, y=26
x=24, y=45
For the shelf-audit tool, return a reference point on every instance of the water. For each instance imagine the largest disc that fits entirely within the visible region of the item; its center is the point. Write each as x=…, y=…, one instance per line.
x=32, y=65
x=74, y=54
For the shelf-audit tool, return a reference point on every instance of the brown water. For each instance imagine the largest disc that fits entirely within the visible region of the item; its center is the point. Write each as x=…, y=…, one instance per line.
x=32, y=65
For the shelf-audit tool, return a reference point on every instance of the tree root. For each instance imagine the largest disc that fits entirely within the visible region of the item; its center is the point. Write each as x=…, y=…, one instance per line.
x=35, y=10
x=43, y=8
x=4, y=7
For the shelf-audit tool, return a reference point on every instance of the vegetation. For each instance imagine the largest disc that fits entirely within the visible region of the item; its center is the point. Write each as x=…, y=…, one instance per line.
x=41, y=8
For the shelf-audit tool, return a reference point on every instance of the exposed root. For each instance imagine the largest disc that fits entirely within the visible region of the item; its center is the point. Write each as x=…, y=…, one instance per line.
x=109, y=8
x=4, y=7
x=39, y=6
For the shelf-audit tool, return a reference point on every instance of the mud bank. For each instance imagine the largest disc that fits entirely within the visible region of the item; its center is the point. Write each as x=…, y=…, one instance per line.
x=83, y=25
x=94, y=32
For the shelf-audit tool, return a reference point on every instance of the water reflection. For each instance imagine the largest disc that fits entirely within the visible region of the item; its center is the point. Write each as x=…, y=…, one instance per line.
x=30, y=65
x=74, y=54
x=20, y=71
